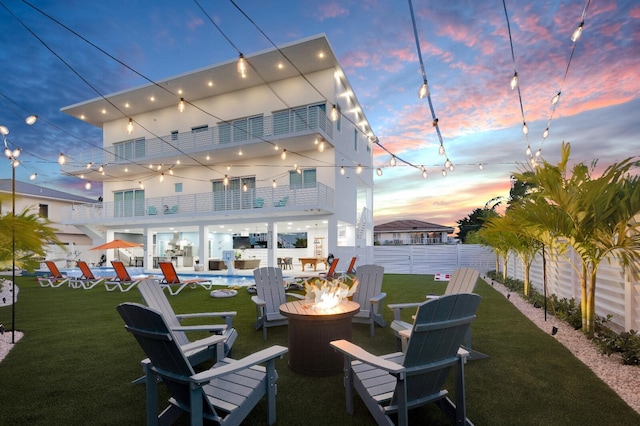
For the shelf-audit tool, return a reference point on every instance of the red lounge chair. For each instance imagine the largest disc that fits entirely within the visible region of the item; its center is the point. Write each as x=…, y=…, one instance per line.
x=332, y=270
x=172, y=282
x=56, y=279
x=87, y=280
x=122, y=281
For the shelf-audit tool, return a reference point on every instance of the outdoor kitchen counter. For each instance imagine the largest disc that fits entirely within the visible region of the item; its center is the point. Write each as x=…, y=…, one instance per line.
x=311, y=330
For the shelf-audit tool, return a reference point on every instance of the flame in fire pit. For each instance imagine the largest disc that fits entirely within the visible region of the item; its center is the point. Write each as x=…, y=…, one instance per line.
x=326, y=294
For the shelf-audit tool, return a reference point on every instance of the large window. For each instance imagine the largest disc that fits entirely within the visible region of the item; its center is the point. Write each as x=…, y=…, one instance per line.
x=241, y=129
x=306, y=179
x=238, y=193
x=128, y=203
x=298, y=119
x=129, y=150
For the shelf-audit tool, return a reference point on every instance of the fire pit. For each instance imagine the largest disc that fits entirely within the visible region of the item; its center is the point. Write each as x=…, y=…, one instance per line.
x=310, y=331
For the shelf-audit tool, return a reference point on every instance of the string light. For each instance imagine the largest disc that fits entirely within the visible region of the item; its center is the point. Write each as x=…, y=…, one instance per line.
x=444, y=173
x=274, y=183
x=225, y=181
x=140, y=184
x=392, y=162
x=545, y=133
x=423, y=91
x=162, y=177
x=181, y=105
x=481, y=166
x=514, y=81
x=130, y=126
x=525, y=128
x=335, y=114
x=379, y=171
x=245, y=187
x=577, y=33
x=424, y=173
x=284, y=154
x=87, y=185
x=528, y=150
x=242, y=66
x=556, y=98
x=33, y=176
x=342, y=170
x=61, y=159
x=358, y=169
x=441, y=150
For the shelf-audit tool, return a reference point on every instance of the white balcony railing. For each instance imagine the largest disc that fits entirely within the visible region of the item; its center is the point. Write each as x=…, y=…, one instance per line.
x=206, y=204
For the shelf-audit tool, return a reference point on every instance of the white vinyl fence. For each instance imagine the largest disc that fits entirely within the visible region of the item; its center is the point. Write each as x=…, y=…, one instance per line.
x=617, y=294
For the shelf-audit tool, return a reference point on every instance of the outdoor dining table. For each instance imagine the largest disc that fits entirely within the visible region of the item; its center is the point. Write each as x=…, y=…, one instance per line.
x=311, y=330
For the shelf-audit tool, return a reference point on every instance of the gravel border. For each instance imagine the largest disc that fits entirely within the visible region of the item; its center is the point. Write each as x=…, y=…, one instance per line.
x=622, y=379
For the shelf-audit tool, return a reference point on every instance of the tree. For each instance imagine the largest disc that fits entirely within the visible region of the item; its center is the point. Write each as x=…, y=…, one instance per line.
x=474, y=221
x=595, y=217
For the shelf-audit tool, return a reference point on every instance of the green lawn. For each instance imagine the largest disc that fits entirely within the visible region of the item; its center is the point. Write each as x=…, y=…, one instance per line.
x=75, y=364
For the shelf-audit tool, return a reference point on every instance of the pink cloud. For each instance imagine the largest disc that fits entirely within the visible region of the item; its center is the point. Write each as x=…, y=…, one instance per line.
x=330, y=10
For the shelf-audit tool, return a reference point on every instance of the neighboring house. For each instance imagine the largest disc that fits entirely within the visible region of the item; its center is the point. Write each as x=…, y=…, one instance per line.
x=411, y=232
x=213, y=160
x=48, y=203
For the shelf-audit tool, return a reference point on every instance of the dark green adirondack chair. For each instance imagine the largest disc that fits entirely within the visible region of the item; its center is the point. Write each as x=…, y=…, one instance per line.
x=395, y=383
x=223, y=394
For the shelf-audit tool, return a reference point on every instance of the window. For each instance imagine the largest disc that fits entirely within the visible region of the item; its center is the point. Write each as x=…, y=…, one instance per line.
x=233, y=196
x=178, y=187
x=128, y=203
x=43, y=210
x=241, y=129
x=129, y=150
x=306, y=179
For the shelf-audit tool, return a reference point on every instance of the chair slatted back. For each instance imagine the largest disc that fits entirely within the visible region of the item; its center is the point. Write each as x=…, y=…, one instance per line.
x=169, y=272
x=332, y=268
x=159, y=345
x=438, y=331
x=270, y=288
x=121, y=271
x=462, y=280
x=155, y=298
x=369, y=285
x=53, y=268
x=87, y=274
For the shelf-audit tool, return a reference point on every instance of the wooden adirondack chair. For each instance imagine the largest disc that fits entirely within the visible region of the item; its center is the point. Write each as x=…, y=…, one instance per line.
x=369, y=295
x=462, y=280
x=270, y=295
x=174, y=284
x=200, y=350
x=395, y=383
x=87, y=280
x=56, y=279
x=123, y=280
x=224, y=394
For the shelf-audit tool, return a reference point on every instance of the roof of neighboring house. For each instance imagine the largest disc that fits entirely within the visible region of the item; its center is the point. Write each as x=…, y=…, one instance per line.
x=411, y=226
x=30, y=190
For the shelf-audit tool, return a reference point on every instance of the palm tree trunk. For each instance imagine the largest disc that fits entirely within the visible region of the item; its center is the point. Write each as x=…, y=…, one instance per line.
x=591, y=304
x=583, y=295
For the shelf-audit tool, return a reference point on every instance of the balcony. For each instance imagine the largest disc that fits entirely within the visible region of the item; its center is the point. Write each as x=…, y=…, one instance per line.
x=290, y=128
x=252, y=204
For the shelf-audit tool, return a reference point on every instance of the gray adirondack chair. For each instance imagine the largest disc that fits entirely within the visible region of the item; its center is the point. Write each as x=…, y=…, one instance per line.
x=369, y=295
x=224, y=394
x=394, y=383
x=463, y=280
x=200, y=350
x=270, y=295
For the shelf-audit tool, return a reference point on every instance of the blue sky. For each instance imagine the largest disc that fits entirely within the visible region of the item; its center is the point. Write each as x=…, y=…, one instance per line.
x=467, y=58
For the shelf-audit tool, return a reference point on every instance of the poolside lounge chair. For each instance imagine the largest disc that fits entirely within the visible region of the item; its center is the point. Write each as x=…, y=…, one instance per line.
x=395, y=383
x=122, y=280
x=56, y=278
x=224, y=394
x=351, y=270
x=463, y=280
x=174, y=284
x=200, y=350
x=369, y=295
x=270, y=295
x=87, y=280
x=331, y=273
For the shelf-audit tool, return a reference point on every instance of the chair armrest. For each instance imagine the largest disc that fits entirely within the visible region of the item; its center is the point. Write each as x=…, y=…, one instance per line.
x=356, y=352
x=297, y=296
x=398, y=307
x=258, y=301
x=209, y=341
x=207, y=327
x=259, y=357
x=227, y=316
x=378, y=298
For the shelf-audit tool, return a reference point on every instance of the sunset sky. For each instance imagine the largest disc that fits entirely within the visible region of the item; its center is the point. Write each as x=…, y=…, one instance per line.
x=467, y=57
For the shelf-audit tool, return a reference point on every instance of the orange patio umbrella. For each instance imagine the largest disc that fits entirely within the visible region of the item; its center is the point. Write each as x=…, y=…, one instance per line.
x=116, y=244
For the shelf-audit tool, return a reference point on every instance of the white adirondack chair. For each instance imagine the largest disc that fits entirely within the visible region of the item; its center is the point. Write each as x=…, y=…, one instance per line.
x=369, y=295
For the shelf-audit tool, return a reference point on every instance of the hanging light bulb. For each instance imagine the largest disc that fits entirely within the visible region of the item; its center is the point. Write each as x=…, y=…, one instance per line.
x=15, y=163
x=284, y=154
x=276, y=147
x=441, y=149
x=392, y=162
x=335, y=114
x=577, y=33
x=481, y=166
x=89, y=165
x=555, y=99
x=181, y=105
x=61, y=159
x=100, y=169
x=171, y=172
x=87, y=185
x=451, y=168
x=342, y=170
x=545, y=133
x=130, y=126
x=321, y=146
x=30, y=120
x=245, y=187
x=242, y=66
x=274, y=183
x=240, y=152
x=140, y=184
x=126, y=170
x=533, y=161
x=528, y=150
x=379, y=171
x=444, y=173
x=538, y=152
x=423, y=91
x=424, y=173
x=161, y=177
x=358, y=169
x=514, y=81
x=225, y=181
x=525, y=129
x=447, y=163
x=16, y=153
x=33, y=176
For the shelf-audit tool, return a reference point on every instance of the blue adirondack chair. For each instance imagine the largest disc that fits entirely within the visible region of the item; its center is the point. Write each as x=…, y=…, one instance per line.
x=369, y=295
x=394, y=383
x=224, y=394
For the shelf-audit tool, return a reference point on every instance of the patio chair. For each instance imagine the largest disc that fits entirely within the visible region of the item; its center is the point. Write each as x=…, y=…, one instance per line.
x=122, y=280
x=56, y=278
x=87, y=280
x=463, y=280
x=199, y=350
x=395, y=383
x=224, y=394
x=369, y=295
x=269, y=296
x=331, y=273
x=351, y=270
x=281, y=203
x=174, y=284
